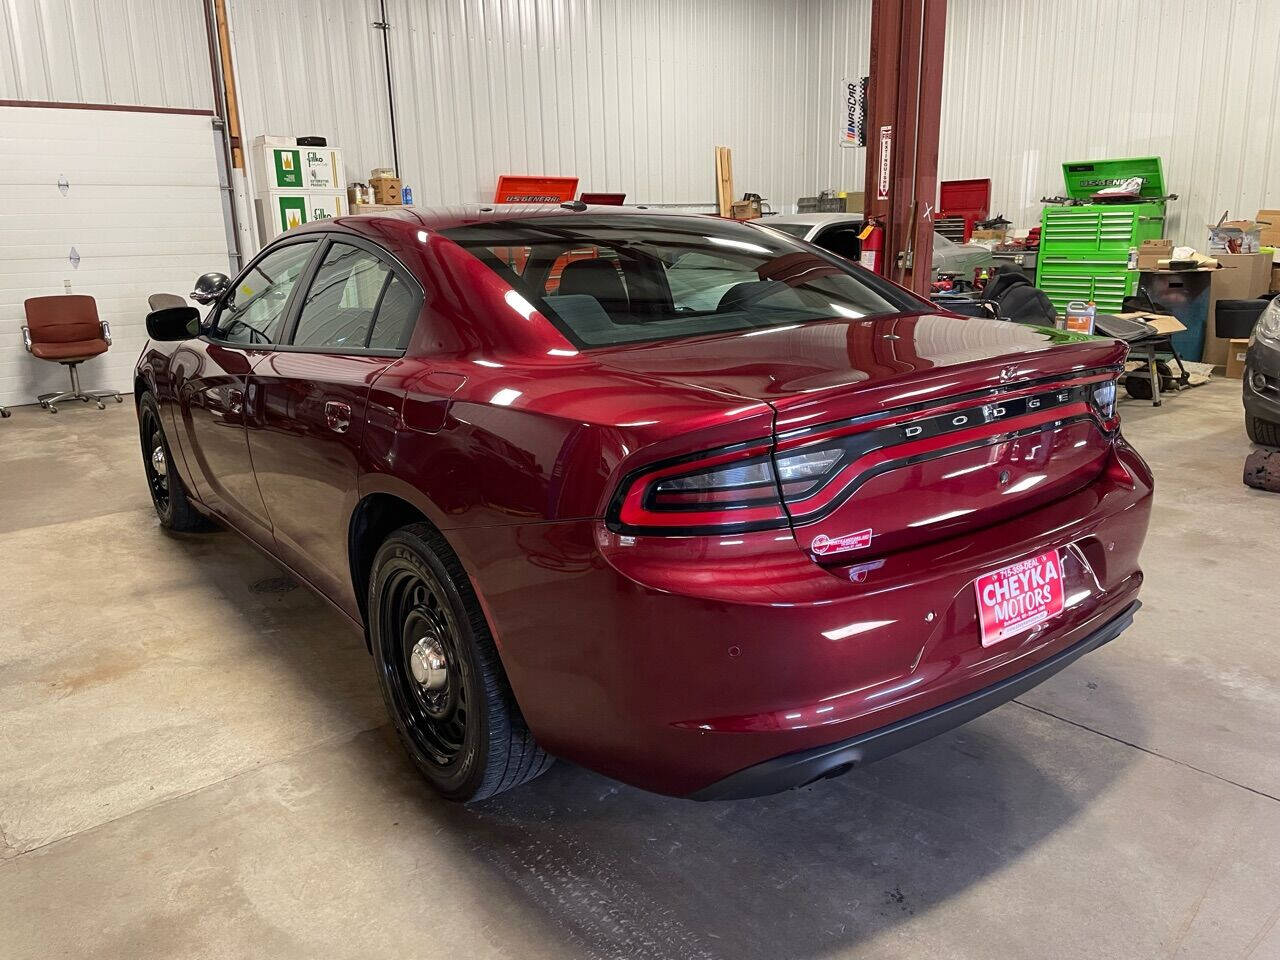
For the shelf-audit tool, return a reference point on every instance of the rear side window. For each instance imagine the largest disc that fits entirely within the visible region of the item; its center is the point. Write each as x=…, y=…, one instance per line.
x=606, y=279
x=355, y=302
x=396, y=313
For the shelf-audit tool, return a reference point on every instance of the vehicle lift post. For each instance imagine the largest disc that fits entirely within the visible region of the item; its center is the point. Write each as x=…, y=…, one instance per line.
x=904, y=109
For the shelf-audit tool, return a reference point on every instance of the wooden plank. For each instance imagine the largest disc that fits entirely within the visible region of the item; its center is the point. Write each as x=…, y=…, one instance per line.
x=724, y=181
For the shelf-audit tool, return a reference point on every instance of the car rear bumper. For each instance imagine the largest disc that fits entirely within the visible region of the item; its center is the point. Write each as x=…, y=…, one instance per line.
x=805, y=766
x=673, y=663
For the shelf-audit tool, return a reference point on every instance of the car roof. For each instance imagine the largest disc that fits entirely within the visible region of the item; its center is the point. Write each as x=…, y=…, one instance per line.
x=442, y=218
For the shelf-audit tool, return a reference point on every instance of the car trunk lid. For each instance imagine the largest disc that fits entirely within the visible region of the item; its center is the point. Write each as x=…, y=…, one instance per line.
x=896, y=431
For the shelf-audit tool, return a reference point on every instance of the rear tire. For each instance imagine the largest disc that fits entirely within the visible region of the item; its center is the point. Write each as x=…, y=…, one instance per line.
x=1263, y=432
x=168, y=495
x=439, y=671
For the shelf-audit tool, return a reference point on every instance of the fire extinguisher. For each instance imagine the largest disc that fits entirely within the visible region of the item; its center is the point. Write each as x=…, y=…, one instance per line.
x=871, y=253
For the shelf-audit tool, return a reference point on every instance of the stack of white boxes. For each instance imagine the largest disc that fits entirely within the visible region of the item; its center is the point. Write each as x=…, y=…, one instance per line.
x=296, y=185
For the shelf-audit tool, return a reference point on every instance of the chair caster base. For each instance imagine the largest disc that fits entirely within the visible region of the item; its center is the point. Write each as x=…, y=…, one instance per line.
x=97, y=397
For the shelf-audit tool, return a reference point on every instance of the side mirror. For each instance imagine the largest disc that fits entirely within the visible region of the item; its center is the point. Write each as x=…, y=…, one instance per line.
x=173, y=323
x=211, y=288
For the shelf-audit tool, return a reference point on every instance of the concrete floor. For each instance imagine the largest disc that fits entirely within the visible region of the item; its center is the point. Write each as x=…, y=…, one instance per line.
x=194, y=762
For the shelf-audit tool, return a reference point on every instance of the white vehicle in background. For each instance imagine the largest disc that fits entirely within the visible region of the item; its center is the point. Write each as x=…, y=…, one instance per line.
x=838, y=232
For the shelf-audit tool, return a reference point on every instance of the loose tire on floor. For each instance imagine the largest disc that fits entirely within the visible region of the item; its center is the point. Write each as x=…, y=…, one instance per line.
x=168, y=495
x=1262, y=431
x=438, y=668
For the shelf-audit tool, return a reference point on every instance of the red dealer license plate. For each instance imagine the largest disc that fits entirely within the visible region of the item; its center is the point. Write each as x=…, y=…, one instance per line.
x=1016, y=598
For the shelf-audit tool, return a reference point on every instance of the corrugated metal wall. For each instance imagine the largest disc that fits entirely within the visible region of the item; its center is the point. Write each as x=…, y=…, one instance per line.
x=633, y=94
x=629, y=95
x=314, y=67
x=1029, y=84
x=140, y=52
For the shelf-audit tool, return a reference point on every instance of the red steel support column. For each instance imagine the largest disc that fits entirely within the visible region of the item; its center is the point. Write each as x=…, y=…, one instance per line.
x=905, y=96
x=882, y=98
x=928, y=120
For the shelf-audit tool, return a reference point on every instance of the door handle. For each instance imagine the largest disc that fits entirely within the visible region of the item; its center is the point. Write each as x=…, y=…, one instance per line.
x=337, y=415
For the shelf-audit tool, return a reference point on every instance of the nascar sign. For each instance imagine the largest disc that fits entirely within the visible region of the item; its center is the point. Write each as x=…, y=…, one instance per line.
x=854, y=95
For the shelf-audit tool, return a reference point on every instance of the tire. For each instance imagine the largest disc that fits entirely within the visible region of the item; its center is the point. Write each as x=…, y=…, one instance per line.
x=1139, y=388
x=1262, y=432
x=168, y=495
x=456, y=716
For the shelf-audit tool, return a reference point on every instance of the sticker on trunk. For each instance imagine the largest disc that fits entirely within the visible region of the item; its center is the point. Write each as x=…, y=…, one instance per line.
x=824, y=545
x=1016, y=598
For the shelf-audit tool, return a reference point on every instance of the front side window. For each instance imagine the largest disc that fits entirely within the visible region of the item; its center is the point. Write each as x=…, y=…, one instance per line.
x=255, y=314
x=607, y=279
x=355, y=302
x=943, y=244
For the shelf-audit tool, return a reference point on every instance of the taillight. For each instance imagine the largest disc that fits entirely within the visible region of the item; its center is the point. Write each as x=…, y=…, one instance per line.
x=1103, y=398
x=719, y=491
x=814, y=469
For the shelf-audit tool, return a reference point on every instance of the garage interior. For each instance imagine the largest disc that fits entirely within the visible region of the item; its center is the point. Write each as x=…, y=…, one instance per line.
x=197, y=761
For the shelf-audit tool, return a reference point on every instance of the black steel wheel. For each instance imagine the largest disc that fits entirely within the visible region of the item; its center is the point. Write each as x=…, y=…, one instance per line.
x=439, y=671
x=425, y=669
x=168, y=495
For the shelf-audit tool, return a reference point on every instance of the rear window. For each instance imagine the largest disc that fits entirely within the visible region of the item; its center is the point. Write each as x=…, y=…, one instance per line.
x=613, y=279
x=794, y=229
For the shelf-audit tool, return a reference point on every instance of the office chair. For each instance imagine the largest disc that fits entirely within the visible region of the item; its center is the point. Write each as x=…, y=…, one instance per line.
x=66, y=330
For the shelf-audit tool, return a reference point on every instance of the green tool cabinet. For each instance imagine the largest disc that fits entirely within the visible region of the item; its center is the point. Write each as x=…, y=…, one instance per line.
x=1084, y=249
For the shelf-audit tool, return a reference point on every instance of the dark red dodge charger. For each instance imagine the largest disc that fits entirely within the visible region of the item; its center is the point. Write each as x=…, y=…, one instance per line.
x=684, y=500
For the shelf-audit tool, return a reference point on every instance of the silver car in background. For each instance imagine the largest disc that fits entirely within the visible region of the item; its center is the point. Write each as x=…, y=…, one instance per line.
x=838, y=232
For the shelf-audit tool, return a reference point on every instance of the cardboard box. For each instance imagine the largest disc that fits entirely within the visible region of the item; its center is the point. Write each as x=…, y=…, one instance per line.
x=322, y=169
x=297, y=168
x=985, y=236
x=744, y=209
x=269, y=140
x=283, y=210
x=1153, y=251
x=386, y=190
x=1236, y=352
x=1243, y=276
x=1269, y=220
x=1162, y=322
x=1234, y=236
x=854, y=201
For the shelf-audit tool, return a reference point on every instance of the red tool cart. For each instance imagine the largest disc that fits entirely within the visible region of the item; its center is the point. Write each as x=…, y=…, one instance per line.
x=961, y=204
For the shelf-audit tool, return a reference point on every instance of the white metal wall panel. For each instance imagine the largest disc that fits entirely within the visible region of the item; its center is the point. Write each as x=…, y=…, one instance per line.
x=314, y=67
x=628, y=95
x=1028, y=85
x=142, y=210
x=150, y=53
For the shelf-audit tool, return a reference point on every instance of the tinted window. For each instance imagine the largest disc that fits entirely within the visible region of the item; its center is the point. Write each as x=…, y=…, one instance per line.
x=255, y=315
x=341, y=302
x=396, y=313
x=641, y=277
x=794, y=229
x=841, y=240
